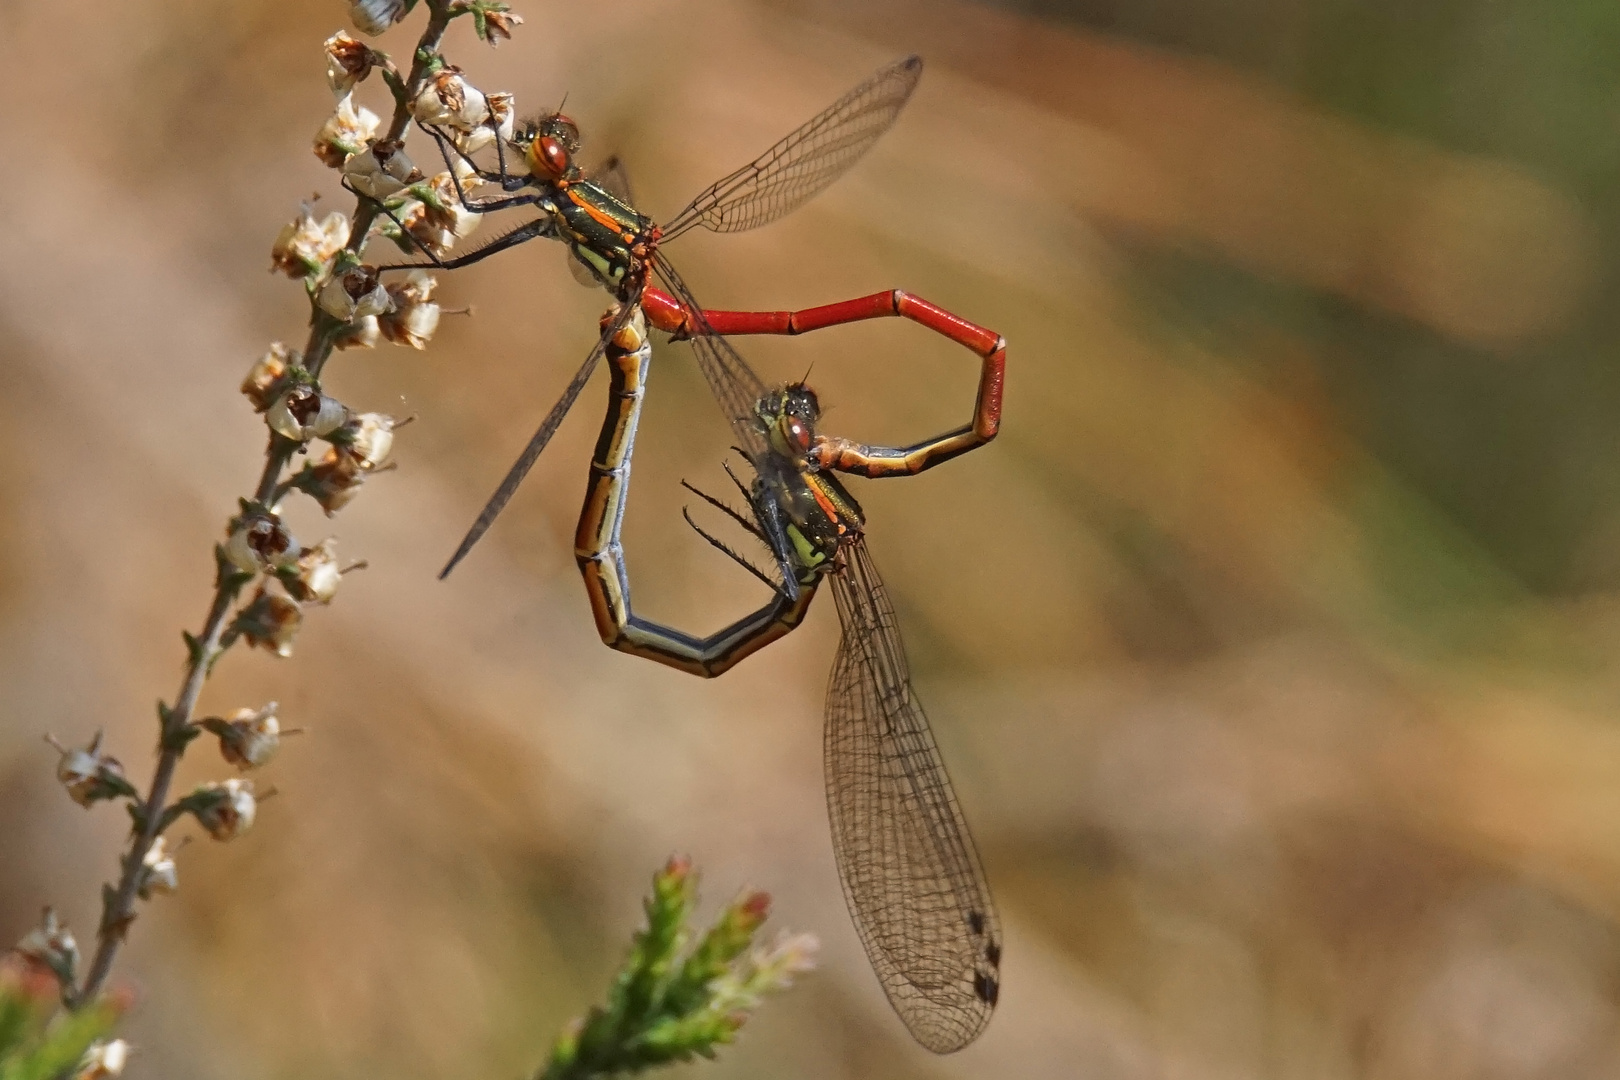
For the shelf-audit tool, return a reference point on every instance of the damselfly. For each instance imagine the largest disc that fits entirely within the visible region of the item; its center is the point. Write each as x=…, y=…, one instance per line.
x=911, y=875
x=619, y=247
x=596, y=544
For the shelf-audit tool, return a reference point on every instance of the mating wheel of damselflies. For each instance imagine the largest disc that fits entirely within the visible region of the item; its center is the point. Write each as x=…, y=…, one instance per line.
x=911, y=874
x=620, y=247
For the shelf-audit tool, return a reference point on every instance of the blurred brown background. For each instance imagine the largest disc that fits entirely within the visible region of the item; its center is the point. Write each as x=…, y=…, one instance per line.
x=1273, y=646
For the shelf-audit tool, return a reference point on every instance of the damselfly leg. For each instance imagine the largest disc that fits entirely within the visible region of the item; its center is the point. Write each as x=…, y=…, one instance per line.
x=912, y=877
x=597, y=547
x=619, y=247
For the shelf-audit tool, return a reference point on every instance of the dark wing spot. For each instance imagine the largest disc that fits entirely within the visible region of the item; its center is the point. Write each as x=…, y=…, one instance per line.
x=975, y=918
x=987, y=988
x=992, y=953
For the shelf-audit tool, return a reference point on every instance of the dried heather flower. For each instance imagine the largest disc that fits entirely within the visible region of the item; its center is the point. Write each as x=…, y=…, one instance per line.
x=346, y=132
x=415, y=317
x=249, y=738
x=304, y=245
x=225, y=808
x=334, y=482
x=360, y=334
x=368, y=439
x=348, y=61
x=158, y=872
x=260, y=542
x=270, y=622
x=499, y=124
x=264, y=378
x=353, y=294
x=304, y=413
x=315, y=579
x=52, y=944
x=374, y=16
x=380, y=170
x=439, y=219
x=499, y=24
x=103, y=1060
x=449, y=99
x=89, y=775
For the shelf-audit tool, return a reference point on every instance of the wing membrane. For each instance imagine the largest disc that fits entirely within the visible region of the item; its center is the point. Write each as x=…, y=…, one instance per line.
x=730, y=379
x=548, y=427
x=790, y=173
x=911, y=875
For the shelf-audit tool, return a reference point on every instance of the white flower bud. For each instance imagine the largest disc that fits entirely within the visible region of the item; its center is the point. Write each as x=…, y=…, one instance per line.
x=353, y=294
x=249, y=738
x=498, y=124
x=348, y=61
x=362, y=333
x=304, y=245
x=318, y=574
x=226, y=809
x=374, y=16
x=450, y=100
x=413, y=326
x=265, y=375
x=380, y=170
x=346, y=132
x=415, y=317
x=368, y=438
x=103, y=1060
x=304, y=413
x=260, y=542
x=89, y=775
x=158, y=872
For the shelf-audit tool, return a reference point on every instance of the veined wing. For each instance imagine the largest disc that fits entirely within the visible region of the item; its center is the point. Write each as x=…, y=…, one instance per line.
x=797, y=168
x=911, y=875
x=730, y=379
x=548, y=427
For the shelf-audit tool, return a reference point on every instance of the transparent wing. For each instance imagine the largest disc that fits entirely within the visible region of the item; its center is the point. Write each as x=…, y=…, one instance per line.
x=615, y=179
x=531, y=453
x=730, y=379
x=910, y=871
x=795, y=169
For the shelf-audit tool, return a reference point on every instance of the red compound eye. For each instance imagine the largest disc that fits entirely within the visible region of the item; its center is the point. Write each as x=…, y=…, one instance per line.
x=552, y=155
x=798, y=436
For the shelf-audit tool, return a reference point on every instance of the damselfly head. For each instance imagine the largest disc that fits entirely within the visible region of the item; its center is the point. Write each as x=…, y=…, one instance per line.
x=790, y=415
x=550, y=143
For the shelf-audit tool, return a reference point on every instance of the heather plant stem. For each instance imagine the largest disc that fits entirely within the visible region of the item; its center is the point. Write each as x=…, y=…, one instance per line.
x=118, y=912
x=119, y=908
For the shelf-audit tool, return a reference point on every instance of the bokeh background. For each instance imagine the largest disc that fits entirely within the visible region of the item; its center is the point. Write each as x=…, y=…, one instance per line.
x=1274, y=646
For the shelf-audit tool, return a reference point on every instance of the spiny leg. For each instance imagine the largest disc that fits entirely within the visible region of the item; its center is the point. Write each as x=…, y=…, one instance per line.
x=447, y=146
x=601, y=555
x=844, y=455
x=727, y=549
x=522, y=234
x=727, y=510
x=768, y=532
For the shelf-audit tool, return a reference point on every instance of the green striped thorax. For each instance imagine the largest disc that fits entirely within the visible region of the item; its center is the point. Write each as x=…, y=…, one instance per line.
x=814, y=513
x=608, y=237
